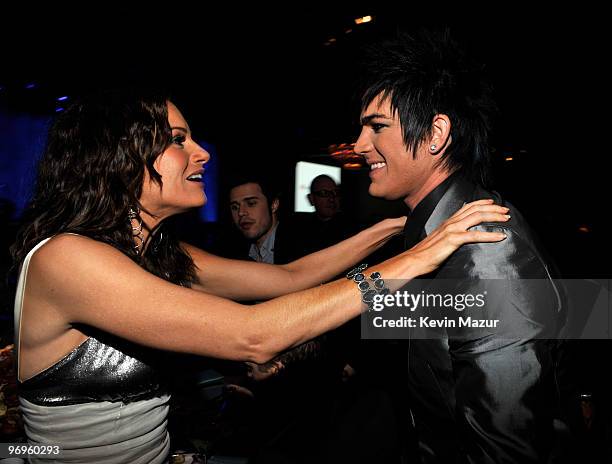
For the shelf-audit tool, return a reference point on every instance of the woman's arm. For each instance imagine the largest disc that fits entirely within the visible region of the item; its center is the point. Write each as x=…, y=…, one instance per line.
x=80, y=280
x=245, y=280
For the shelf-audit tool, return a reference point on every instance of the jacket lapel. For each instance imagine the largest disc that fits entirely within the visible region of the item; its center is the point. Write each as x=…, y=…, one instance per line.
x=458, y=193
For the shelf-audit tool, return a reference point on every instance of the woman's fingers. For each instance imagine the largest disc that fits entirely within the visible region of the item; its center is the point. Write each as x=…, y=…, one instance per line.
x=454, y=232
x=445, y=245
x=472, y=217
x=478, y=218
x=466, y=206
x=489, y=208
x=476, y=236
x=473, y=236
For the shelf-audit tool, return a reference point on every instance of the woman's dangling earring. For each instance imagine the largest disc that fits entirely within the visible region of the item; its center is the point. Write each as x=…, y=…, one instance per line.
x=134, y=213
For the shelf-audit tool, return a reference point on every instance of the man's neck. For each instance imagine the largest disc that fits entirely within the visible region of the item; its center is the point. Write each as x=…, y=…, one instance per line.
x=431, y=183
x=261, y=240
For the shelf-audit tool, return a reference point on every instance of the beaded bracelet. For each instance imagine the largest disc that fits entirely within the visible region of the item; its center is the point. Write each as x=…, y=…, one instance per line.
x=379, y=284
x=367, y=293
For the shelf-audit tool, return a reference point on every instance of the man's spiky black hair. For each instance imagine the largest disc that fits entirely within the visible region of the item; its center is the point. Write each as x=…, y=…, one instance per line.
x=425, y=74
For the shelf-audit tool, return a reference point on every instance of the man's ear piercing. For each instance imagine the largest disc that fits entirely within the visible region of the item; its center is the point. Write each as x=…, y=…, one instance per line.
x=433, y=147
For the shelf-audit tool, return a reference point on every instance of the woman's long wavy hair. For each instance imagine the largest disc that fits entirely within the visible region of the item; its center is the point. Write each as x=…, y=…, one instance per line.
x=91, y=174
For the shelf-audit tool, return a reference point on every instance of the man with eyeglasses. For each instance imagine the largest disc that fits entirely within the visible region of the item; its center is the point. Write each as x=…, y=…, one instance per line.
x=325, y=197
x=327, y=225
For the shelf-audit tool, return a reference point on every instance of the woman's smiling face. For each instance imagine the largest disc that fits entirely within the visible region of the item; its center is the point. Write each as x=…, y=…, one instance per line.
x=181, y=167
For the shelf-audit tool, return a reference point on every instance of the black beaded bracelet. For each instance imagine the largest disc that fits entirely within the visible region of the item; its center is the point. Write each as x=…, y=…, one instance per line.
x=367, y=292
x=379, y=284
x=358, y=270
x=360, y=279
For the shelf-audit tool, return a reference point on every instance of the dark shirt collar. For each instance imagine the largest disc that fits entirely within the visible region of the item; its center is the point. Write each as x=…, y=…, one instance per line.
x=415, y=225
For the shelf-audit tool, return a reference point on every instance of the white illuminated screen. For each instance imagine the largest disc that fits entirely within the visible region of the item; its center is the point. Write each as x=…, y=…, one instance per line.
x=304, y=173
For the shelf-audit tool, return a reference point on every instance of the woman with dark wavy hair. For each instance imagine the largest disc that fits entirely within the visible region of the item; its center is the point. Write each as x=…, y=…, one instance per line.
x=102, y=286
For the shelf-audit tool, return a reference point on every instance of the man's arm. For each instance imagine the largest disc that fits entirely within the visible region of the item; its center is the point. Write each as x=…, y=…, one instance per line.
x=306, y=351
x=504, y=383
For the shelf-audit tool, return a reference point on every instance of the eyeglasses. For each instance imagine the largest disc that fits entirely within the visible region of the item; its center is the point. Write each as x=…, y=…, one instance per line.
x=327, y=193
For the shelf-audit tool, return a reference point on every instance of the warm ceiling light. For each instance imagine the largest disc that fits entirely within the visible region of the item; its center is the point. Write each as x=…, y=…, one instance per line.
x=363, y=19
x=342, y=150
x=509, y=158
x=343, y=153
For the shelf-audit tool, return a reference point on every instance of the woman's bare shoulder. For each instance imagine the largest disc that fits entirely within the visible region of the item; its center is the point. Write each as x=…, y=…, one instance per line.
x=68, y=242
x=71, y=254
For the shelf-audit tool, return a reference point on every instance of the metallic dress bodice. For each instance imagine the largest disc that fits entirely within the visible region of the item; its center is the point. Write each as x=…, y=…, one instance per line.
x=102, y=368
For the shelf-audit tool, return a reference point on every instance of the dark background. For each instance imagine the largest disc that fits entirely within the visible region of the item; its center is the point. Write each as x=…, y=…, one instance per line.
x=266, y=88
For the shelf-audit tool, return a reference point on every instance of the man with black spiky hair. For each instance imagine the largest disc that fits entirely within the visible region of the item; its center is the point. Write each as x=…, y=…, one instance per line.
x=476, y=396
